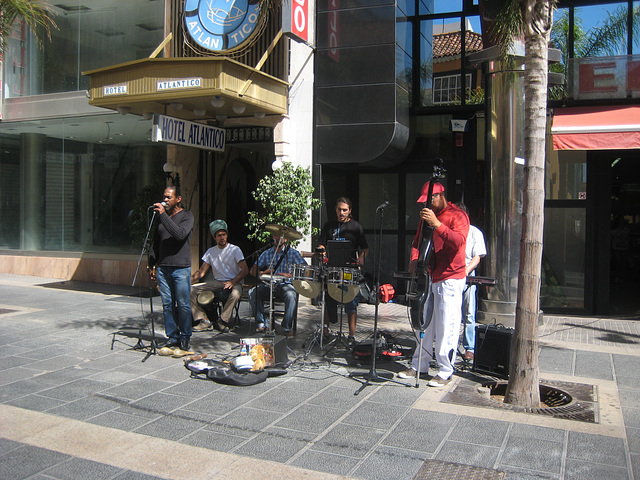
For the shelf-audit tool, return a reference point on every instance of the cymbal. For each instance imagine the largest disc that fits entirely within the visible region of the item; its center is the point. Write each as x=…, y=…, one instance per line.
x=282, y=231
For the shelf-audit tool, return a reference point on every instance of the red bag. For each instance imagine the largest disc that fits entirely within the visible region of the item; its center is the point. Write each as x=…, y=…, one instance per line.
x=386, y=292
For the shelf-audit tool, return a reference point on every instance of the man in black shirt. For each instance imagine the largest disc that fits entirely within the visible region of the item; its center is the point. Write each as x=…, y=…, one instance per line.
x=347, y=229
x=171, y=257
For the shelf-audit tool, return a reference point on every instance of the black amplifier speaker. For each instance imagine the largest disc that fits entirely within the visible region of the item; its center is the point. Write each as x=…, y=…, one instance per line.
x=493, y=350
x=280, y=350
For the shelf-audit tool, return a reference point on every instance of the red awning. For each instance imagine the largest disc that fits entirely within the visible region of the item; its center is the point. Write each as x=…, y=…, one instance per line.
x=596, y=128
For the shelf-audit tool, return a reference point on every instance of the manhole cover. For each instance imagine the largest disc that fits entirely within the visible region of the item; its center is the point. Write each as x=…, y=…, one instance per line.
x=437, y=470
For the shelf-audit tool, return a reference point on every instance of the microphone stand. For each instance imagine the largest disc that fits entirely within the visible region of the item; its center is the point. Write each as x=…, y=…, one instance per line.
x=146, y=247
x=373, y=376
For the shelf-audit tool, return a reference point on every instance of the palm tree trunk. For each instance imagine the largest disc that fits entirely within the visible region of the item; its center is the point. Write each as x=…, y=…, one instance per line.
x=523, y=388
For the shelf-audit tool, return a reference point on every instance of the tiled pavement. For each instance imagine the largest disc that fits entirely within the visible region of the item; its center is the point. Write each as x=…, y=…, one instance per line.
x=73, y=407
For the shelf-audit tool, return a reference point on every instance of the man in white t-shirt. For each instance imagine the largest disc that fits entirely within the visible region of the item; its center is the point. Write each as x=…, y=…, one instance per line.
x=228, y=268
x=475, y=250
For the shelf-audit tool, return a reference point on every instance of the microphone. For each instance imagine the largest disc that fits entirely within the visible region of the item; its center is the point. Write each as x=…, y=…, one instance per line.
x=164, y=205
x=383, y=205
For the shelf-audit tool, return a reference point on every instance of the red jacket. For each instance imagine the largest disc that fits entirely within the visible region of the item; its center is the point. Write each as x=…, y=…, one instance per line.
x=449, y=241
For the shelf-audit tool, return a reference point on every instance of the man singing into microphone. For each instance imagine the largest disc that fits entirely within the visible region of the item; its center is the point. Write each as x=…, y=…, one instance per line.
x=228, y=268
x=171, y=257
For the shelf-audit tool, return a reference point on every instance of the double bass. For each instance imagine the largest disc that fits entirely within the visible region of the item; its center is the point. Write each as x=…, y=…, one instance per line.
x=420, y=283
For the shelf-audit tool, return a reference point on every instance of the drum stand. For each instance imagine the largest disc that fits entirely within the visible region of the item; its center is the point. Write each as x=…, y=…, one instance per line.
x=340, y=338
x=318, y=335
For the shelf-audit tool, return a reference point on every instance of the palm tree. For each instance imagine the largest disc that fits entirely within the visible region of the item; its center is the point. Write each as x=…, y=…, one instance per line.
x=36, y=13
x=531, y=20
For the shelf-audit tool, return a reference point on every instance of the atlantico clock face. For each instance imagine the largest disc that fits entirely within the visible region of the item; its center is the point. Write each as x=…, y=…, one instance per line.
x=222, y=25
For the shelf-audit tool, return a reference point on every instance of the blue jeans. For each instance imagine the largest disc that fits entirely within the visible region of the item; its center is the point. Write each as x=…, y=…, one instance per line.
x=332, y=307
x=174, y=284
x=469, y=318
x=281, y=291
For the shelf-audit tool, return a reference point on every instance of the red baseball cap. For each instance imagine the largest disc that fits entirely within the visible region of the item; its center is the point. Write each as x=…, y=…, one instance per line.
x=424, y=195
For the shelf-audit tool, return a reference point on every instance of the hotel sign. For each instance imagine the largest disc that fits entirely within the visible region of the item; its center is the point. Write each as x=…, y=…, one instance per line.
x=115, y=90
x=164, y=85
x=188, y=134
x=220, y=25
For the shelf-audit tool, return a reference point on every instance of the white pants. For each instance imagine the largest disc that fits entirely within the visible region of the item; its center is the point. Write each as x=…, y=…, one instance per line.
x=444, y=328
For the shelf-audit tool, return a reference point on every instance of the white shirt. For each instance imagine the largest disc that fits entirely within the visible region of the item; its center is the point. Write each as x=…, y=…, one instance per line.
x=224, y=261
x=475, y=246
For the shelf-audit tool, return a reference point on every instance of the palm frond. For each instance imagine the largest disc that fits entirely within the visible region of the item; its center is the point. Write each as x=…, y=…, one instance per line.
x=36, y=13
x=508, y=27
x=608, y=39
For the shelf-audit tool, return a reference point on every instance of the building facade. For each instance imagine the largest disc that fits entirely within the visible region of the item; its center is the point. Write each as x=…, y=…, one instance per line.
x=376, y=93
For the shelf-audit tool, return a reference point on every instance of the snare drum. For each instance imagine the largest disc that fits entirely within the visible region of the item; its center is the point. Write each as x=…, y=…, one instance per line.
x=306, y=280
x=343, y=283
x=274, y=279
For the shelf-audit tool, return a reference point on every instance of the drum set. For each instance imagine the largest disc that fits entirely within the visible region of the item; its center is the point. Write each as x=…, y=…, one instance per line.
x=342, y=283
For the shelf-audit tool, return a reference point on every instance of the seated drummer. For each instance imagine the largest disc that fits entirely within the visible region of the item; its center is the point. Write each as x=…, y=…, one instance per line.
x=281, y=256
x=228, y=268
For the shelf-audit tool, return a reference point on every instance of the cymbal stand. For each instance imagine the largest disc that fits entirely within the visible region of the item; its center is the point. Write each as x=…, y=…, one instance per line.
x=373, y=375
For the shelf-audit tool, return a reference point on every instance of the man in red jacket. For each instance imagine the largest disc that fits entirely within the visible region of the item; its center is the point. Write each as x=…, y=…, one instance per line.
x=449, y=226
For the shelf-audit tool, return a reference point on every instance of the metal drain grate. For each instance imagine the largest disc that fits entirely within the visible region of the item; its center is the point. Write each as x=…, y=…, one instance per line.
x=437, y=470
x=564, y=400
x=559, y=404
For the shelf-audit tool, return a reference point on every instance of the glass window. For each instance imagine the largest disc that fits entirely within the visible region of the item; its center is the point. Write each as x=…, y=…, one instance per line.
x=563, y=259
x=89, y=36
x=447, y=89
x=474, y=87
x=600, y=30
x=426, y=63
x=379, y=188
x=78, y=184
x=560, y=31
x=412, y=193
x=428, y=7
x=441, y=81
x=566, y=175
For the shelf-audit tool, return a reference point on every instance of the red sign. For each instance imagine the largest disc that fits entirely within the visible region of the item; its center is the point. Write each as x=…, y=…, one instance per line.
x=295, y=19
x=612, y=77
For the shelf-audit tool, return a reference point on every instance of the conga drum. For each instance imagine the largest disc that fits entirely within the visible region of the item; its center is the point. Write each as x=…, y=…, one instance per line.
x=207, y=300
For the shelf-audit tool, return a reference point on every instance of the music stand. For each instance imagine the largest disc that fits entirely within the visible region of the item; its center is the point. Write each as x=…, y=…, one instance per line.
x=339, y=253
